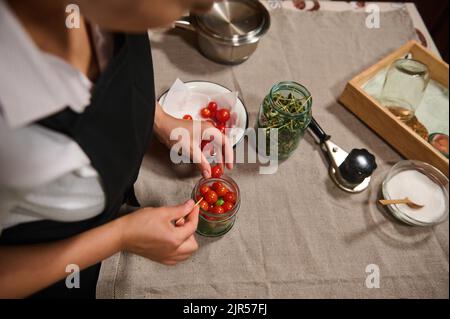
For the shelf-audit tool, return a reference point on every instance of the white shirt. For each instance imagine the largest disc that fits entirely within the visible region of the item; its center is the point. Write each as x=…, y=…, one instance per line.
x=43, y=174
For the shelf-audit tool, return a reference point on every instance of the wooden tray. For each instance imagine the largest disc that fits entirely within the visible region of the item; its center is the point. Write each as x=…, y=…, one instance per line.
x=378, y=118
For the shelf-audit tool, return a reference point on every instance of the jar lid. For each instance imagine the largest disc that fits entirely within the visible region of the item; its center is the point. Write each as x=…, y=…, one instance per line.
x=235, y=21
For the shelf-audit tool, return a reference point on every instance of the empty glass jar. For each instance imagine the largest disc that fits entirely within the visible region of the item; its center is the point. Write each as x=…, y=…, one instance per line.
x=404, y=88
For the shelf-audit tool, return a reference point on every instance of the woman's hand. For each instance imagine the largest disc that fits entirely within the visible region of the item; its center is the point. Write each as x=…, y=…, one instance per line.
x=152, y=233
x=165, y=124
x=149, y=232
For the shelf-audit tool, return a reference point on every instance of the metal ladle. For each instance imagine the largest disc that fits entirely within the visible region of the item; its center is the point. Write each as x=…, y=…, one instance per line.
x=349, y=171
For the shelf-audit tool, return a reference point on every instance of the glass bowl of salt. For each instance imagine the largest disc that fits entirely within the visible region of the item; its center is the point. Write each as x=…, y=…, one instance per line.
x=422, y=184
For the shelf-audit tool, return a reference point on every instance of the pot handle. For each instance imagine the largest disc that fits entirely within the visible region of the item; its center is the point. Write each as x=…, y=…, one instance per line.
x=184, y=23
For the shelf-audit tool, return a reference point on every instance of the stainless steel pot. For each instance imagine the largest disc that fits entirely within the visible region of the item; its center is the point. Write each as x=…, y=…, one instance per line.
x=229, y=33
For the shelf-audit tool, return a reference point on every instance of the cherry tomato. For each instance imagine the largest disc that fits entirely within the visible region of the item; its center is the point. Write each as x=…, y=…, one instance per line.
x=216, y=185
x=227, y=206
x=187, y=117
x=217, y=210
x=204, y=205
x=205, y=113
x=223, y=115
x=216, y=171
x=221, y=191
x=230, y=197
x=221, y=127
x=212, y=106
x=211, y=197
x=204, y=189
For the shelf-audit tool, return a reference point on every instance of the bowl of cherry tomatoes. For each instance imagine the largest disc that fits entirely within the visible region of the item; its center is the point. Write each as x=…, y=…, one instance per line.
x=219, y=201
x=205, y=103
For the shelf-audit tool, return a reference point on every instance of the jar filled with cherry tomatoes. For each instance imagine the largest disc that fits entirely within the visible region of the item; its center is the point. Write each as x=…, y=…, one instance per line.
x=219, y=206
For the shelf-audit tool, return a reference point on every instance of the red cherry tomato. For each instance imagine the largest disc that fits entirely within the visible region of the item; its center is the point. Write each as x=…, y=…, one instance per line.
x=212, y=106
x=216, y=171
x=204, y=189
x=205, y=113
x=221, y=191
x=187, y=117
x=219, y=188
x=223, y=115
x=216, y=185
x=211, y=197
x=221, y=127
x=204, y=205
x=217, y=210
x=230, y=197
x=227, y=206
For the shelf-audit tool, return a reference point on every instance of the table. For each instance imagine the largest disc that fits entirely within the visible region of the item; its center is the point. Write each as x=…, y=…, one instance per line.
x=297, y=235
x=423, y=35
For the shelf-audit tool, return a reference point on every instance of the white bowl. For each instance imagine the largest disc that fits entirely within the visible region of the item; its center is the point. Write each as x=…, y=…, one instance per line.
x=211, y=89
x=402, y=212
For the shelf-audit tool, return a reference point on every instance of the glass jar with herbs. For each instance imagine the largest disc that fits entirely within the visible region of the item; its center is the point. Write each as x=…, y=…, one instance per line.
x=287, y=108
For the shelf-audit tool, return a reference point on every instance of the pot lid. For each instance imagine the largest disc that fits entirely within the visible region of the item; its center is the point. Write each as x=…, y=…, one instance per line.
x=237, y=21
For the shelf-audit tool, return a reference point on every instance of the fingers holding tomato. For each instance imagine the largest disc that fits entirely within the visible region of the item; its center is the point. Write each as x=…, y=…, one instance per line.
x=216, y=171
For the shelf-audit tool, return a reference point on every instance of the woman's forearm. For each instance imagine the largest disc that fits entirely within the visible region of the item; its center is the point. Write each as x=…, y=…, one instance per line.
x=161, y=123
x=27, y=269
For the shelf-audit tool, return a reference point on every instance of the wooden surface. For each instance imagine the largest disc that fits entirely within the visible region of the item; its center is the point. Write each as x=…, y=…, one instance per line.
x=395, y=132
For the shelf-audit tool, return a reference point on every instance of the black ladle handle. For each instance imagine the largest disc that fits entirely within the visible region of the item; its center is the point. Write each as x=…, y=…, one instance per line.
x=318, y=131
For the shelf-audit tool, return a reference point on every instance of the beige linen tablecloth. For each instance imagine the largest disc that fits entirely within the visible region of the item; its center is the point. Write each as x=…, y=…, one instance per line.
x=297, y=235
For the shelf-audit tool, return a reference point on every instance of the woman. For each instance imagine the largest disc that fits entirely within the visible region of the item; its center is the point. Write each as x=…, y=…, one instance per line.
x=77, y=111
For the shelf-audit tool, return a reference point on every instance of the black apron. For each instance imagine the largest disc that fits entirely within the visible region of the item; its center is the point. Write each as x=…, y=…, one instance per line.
x=114, y=132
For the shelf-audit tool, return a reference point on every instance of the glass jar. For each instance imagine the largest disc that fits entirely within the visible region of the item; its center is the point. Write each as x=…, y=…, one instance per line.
x=404, y=88
x=215, y=225
x=286, y=108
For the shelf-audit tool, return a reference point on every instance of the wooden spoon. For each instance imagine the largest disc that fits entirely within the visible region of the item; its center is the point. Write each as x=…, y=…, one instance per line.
x=406, y=201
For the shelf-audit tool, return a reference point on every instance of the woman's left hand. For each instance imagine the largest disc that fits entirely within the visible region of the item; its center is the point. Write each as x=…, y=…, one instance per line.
x=165, y=124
